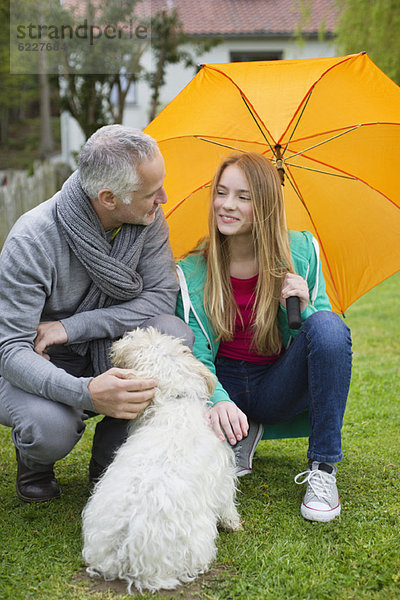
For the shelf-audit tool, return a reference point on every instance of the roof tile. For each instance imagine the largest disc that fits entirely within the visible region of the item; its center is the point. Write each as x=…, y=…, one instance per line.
x=240, y=17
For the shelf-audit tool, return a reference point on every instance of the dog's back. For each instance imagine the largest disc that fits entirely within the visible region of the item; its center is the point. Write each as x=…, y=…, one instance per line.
x=152, y=519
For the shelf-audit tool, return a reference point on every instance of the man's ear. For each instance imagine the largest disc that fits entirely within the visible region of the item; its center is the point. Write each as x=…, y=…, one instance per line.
x=107, y=199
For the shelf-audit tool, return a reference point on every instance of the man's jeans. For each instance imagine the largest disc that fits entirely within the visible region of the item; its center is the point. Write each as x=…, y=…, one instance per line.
x=45, y=431
x=313, y=373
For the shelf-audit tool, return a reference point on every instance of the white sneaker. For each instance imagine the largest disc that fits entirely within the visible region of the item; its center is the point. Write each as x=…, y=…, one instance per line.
x=321, y=500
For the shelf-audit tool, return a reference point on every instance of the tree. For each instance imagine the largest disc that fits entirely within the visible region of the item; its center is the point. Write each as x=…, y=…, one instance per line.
x=95, y=47
x=104, y=68
x=374, y=27
x=24, y=75
x=46, y=135
x=168, y=37
x=16, y=91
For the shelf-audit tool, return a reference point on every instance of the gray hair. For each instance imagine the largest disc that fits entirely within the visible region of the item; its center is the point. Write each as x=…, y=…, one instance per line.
x=110, y=158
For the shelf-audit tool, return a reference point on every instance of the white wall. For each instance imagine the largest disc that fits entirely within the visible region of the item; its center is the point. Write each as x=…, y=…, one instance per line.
x=136, y=115
x=177, y=77
x=72, y=138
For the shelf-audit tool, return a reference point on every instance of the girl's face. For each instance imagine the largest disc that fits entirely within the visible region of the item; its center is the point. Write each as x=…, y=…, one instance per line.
x=233, y=208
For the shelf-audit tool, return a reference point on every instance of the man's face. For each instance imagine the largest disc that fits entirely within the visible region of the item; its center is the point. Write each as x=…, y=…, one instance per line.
x=145, y=201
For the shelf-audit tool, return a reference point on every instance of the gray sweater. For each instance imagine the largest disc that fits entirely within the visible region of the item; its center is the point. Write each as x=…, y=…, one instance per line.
x=42, y=280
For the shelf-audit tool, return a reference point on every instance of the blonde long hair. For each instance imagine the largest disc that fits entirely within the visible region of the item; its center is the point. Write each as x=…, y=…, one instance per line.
x=271, y=247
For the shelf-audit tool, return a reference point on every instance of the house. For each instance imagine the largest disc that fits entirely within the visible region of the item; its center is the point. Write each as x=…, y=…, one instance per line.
x=247, y=29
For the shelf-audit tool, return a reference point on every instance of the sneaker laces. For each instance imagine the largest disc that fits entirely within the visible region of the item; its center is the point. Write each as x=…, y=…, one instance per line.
x=319, y=481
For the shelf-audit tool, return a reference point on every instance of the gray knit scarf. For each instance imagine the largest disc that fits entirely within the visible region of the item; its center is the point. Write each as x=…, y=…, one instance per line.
x=111, y=267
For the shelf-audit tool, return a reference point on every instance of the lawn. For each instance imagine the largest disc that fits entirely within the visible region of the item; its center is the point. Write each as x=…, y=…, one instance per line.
x=278, y=556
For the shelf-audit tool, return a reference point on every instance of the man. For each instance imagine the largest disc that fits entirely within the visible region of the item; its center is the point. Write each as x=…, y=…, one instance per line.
x=77, y=272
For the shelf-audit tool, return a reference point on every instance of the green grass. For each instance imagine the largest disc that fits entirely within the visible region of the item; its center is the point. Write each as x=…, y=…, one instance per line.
x=278, y=556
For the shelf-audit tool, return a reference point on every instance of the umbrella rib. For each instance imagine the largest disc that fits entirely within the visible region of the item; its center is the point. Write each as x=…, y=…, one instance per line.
x=203, y=139
x=290, y=177
x=257, y=123
x=176, y=206
x=345, y=129
x=219, y=144
x=325, y=141
x=322, y=172
x=345, y=59
x=355, y=178
x=247, y=102
x=301, y=200
x=298, y=121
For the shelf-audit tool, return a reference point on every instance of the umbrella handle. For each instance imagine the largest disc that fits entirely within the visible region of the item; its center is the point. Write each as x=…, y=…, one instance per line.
x=293, y=312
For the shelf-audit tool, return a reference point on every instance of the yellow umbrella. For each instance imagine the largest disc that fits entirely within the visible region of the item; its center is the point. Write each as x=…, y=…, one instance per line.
x=332, y=126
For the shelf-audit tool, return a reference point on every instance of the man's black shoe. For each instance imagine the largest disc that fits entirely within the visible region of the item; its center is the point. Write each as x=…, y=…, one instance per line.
x=95, y=471
x=36, y=486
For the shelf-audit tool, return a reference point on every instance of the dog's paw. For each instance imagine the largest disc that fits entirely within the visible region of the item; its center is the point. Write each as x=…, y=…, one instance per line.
x=234, y=524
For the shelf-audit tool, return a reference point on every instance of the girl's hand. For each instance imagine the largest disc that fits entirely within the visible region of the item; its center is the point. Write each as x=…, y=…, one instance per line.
x=226, y=417
x=294, y=285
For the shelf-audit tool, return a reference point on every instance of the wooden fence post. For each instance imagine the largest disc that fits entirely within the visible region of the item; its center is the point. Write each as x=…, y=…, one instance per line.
x=23, y=193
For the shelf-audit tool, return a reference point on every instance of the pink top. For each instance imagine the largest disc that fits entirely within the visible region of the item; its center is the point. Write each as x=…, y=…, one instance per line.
x=240, y=347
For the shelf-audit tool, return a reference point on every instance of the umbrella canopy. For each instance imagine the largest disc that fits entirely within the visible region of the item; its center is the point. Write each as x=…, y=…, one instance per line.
x=331, y=125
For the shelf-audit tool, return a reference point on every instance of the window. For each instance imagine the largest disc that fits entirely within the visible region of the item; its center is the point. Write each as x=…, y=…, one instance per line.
x=131, y=95
x=250, y=55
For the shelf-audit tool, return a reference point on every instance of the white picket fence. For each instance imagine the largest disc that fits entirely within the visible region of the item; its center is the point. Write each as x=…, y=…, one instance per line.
x=23, y=193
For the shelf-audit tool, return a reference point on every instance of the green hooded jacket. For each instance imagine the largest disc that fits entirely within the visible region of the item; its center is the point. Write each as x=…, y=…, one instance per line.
x=192, y=272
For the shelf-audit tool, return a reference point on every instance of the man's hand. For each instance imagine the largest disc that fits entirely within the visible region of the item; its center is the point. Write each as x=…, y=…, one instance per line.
x=118, y=393
x=49, y=333
x=226, y=417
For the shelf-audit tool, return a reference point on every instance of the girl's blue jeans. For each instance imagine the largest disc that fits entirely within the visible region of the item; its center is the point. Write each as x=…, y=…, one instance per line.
x=313, y=373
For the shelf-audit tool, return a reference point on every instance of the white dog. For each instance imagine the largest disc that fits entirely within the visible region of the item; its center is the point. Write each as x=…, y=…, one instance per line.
x=152, y=518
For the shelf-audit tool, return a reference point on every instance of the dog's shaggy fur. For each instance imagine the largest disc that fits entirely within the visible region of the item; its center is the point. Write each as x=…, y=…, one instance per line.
x=152, y=519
